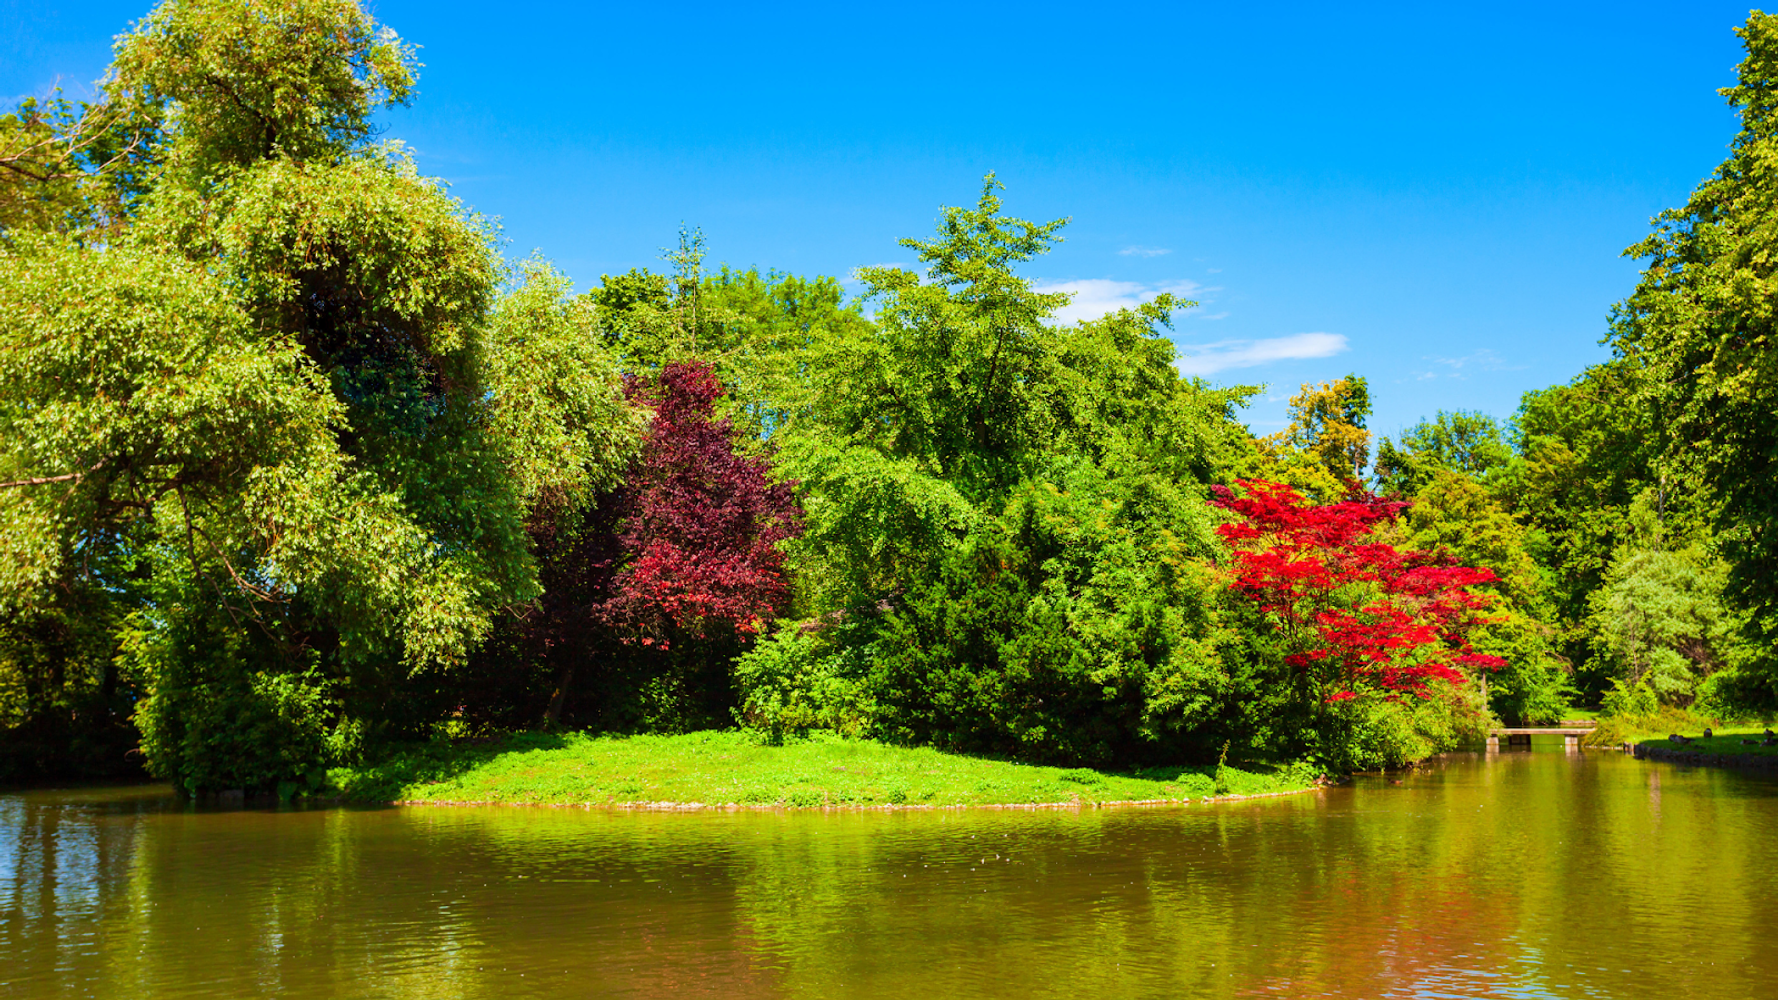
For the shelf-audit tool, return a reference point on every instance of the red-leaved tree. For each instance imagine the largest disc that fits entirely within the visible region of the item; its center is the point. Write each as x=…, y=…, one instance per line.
x=680, y=560
x=701, y=524
x=1358, y=617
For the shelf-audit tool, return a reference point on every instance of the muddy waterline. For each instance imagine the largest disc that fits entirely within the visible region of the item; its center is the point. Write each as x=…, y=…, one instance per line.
x=1517, y=875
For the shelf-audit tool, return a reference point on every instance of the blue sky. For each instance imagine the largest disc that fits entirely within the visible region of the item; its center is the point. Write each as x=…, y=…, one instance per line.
x=1433, y=196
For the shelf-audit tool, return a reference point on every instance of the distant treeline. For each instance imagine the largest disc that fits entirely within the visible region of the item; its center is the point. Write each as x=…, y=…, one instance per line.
x=295, y=468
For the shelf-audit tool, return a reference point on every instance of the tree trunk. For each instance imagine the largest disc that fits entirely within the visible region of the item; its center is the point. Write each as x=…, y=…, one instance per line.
x=563, y=679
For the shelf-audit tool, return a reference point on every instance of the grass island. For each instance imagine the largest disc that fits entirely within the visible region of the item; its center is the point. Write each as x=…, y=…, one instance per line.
x=720, y=769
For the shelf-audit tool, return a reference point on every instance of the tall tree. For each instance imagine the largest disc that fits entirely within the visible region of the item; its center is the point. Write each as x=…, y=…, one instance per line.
x=1007, y=527
x=1702, y=323
x=282, y=386
x=1325, y=446
x=1463, y=441
x=1660, y=622
x=684, y=556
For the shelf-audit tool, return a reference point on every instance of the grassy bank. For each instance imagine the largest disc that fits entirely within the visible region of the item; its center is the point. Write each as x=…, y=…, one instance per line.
x=1615, y=731
x=1719, y=743
x=724, y=768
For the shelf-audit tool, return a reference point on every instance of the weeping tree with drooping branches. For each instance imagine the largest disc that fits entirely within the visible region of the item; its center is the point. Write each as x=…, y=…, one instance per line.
x=279, y=429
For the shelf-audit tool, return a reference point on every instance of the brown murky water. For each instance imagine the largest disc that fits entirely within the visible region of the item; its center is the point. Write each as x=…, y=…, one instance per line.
x=1523, y=875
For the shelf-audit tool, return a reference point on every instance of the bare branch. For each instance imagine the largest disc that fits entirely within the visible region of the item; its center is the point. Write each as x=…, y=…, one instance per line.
x=43, y=481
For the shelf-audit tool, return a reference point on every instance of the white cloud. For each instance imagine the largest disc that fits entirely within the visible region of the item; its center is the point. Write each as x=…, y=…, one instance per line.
x=1208, y=359
x=1094, y=297
x=1483, y=360
x=1144, y=251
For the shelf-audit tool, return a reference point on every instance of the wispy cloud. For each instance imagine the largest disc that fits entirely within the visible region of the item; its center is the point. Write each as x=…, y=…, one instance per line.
x=1482, y=360
x=1208, y=359
x=1094, y=297
x=1144, y=251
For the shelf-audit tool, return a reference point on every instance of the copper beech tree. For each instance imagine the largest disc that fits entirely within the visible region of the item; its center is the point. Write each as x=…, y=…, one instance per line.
x=686, y=551
x=701, y=523
x=1359, y=617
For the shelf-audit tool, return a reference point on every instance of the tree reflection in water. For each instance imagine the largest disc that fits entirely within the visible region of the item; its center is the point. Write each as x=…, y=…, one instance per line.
x=1517, y=875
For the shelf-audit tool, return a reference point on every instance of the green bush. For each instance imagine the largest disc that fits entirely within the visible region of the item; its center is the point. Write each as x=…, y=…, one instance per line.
x=806, y=677
x=1738, y=692
x=1628, y=727
x=1626, y=701
x=1368, y=735
x=216, y=718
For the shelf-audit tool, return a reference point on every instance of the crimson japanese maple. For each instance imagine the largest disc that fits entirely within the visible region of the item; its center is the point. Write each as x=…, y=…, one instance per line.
x=1358, y=616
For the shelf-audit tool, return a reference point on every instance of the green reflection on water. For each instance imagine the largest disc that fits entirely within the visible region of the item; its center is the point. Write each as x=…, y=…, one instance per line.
x=1518, y=875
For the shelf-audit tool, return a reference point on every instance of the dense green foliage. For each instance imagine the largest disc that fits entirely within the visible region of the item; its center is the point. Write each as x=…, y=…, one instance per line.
x=1697, y=332
x=295, y=468
x=265, y=415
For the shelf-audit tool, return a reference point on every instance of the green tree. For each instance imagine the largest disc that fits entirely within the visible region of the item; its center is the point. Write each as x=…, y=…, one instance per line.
x=1008, y=540
x=1660, y=621
x=1326, y=445
x=139, y=411
x=1701, y=322
x=753, y=328
x=1460, y=517
x=1463, y=441
x=296, y=372
x=262, y=80
x=1584, y=452
x=957, y=379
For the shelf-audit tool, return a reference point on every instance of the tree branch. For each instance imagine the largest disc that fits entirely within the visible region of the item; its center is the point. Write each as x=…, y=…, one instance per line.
x=43, y=481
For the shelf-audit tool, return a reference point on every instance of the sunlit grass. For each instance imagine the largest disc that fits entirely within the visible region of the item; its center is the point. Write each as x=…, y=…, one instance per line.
x=1719, y=742
x=735, y=768
x=1655, y=729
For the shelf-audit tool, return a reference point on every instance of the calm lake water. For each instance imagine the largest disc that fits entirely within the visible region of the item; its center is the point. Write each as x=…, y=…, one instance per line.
x=1521, y=875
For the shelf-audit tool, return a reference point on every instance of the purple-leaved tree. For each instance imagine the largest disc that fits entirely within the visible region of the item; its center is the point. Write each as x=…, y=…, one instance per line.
x=684, y=554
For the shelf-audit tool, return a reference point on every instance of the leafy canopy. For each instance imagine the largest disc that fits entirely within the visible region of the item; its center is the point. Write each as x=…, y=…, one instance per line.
x=252, y=80
x=1700, y=326
x=1363, y=618
x=1325, y=445
x=1464, y=442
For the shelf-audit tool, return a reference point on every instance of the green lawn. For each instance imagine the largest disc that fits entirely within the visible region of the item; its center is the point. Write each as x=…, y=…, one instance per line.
x=723, y=768
x=1721, y=742
x=1614, y=731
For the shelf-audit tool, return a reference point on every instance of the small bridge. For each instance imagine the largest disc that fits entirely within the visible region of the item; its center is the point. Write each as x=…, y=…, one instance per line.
x=1570, y=731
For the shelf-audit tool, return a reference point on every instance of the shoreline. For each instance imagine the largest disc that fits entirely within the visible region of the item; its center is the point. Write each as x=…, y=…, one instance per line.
x=1743, y=761
x=842, y=807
